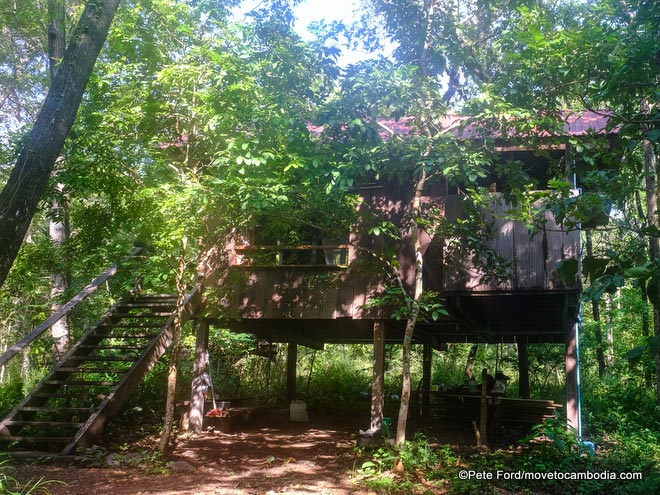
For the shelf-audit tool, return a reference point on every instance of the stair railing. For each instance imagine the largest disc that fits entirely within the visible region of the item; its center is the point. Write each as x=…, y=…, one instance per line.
x=64, y=310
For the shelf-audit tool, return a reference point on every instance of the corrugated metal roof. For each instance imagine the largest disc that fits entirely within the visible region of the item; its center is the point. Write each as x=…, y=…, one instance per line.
x=578, y=124
x=575, y=124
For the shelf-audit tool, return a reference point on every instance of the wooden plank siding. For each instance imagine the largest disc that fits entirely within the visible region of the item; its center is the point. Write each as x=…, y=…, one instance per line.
x=256, y=291
x=532, y=255
x=299, y=292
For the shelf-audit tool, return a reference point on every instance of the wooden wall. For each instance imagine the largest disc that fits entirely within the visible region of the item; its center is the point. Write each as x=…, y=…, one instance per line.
x=332, y=292
x=305, y=292
x=531, y=254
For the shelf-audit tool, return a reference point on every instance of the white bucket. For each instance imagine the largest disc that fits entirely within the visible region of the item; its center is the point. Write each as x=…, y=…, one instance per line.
x=298, y=412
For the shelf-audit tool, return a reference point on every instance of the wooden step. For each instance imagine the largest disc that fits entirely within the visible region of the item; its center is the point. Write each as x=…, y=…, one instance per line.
x=15, y=438
x=160, y=314
x=110, y=347
x=114, y=371
x=59, y=424
x=148, y=304
x=81, y=383
x=154, y=296
x=71, y=396
x=102, y=358
x=57, y=410
x=141, y=324
x=134, y=336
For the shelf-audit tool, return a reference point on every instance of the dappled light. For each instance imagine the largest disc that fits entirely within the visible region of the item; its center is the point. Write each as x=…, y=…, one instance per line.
x=298, y=459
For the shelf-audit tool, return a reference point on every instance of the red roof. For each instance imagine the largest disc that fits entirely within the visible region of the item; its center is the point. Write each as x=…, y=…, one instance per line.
x=578, y=124
x=575, y=124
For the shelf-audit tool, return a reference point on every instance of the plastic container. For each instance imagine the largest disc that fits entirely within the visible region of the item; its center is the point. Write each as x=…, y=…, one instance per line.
x=298, y=412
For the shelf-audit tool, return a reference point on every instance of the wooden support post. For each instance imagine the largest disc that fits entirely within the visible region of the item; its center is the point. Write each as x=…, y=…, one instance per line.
x=482, y=438
x=571, y=379
x=291, y=362
x=523, y=371
x=426, y=379
x=199, y=381
x=378, y=377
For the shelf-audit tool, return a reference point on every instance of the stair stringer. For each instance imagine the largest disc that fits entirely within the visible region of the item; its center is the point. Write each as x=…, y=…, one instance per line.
x=29, y=398
x=94, y=425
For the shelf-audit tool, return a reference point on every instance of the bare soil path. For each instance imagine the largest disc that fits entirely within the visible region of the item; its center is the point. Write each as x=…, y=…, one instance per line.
x=273, y=457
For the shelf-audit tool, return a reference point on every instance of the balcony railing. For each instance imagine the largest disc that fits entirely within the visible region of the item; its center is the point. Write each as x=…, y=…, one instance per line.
x=336, y=255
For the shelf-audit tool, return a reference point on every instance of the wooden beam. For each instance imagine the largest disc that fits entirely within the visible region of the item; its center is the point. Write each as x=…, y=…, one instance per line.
x=426, y=379
x=291, y=368
x=311, y=343
x=377, y=377
x=469, y=321
x=199, y=382
x=482, y=438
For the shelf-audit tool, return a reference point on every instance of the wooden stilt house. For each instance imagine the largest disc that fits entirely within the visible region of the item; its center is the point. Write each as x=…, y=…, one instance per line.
x=320, y=293
x=317, y=294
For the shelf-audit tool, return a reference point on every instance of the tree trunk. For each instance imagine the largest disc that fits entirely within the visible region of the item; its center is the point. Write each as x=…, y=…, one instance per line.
x=609, y=333
x=174, y=357
x=646, y=332
x=652, y=195
x=571, y=363
x=425, y=127
x=58, y=228
x=412, y=319
x=200, y=384
x=427, y=369
x=29, y=177
x=59, y=281
x=56, y=35
x=469, y=364
x=595, y=311
x=377, y=377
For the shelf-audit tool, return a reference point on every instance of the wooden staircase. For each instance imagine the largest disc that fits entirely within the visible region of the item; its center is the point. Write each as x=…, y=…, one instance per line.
x=70, y=406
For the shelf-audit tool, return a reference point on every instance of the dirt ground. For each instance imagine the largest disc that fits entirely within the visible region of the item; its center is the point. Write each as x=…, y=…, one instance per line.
x=271, y=456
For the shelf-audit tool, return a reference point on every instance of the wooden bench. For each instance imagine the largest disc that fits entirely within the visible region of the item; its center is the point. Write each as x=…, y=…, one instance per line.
x=525, y=411
x=229, y=419
x=467, y=407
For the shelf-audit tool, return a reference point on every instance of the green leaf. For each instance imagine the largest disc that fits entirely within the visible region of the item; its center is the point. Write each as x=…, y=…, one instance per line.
x=639, y=272
x=593, y=267
x=636, y=353
x=652, y=135
x=654, y=343
x=567, y=269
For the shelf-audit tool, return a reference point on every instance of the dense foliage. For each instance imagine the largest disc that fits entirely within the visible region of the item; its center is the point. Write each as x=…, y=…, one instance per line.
x=196, y=127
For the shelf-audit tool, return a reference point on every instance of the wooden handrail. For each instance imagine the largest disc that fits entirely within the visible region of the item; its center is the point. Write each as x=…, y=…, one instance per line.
x=63, y=311
x=303, y=247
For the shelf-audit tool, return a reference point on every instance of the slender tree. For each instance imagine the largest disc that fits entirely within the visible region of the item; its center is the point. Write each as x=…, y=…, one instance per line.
x=595, y=312
x=448, y=48
x=58, y=228
x=29, y=177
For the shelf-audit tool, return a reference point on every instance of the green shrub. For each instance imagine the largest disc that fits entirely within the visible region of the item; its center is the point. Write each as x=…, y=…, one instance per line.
x=337, y=388
x=11, y=486
x=417, y=453
x=10, y=394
